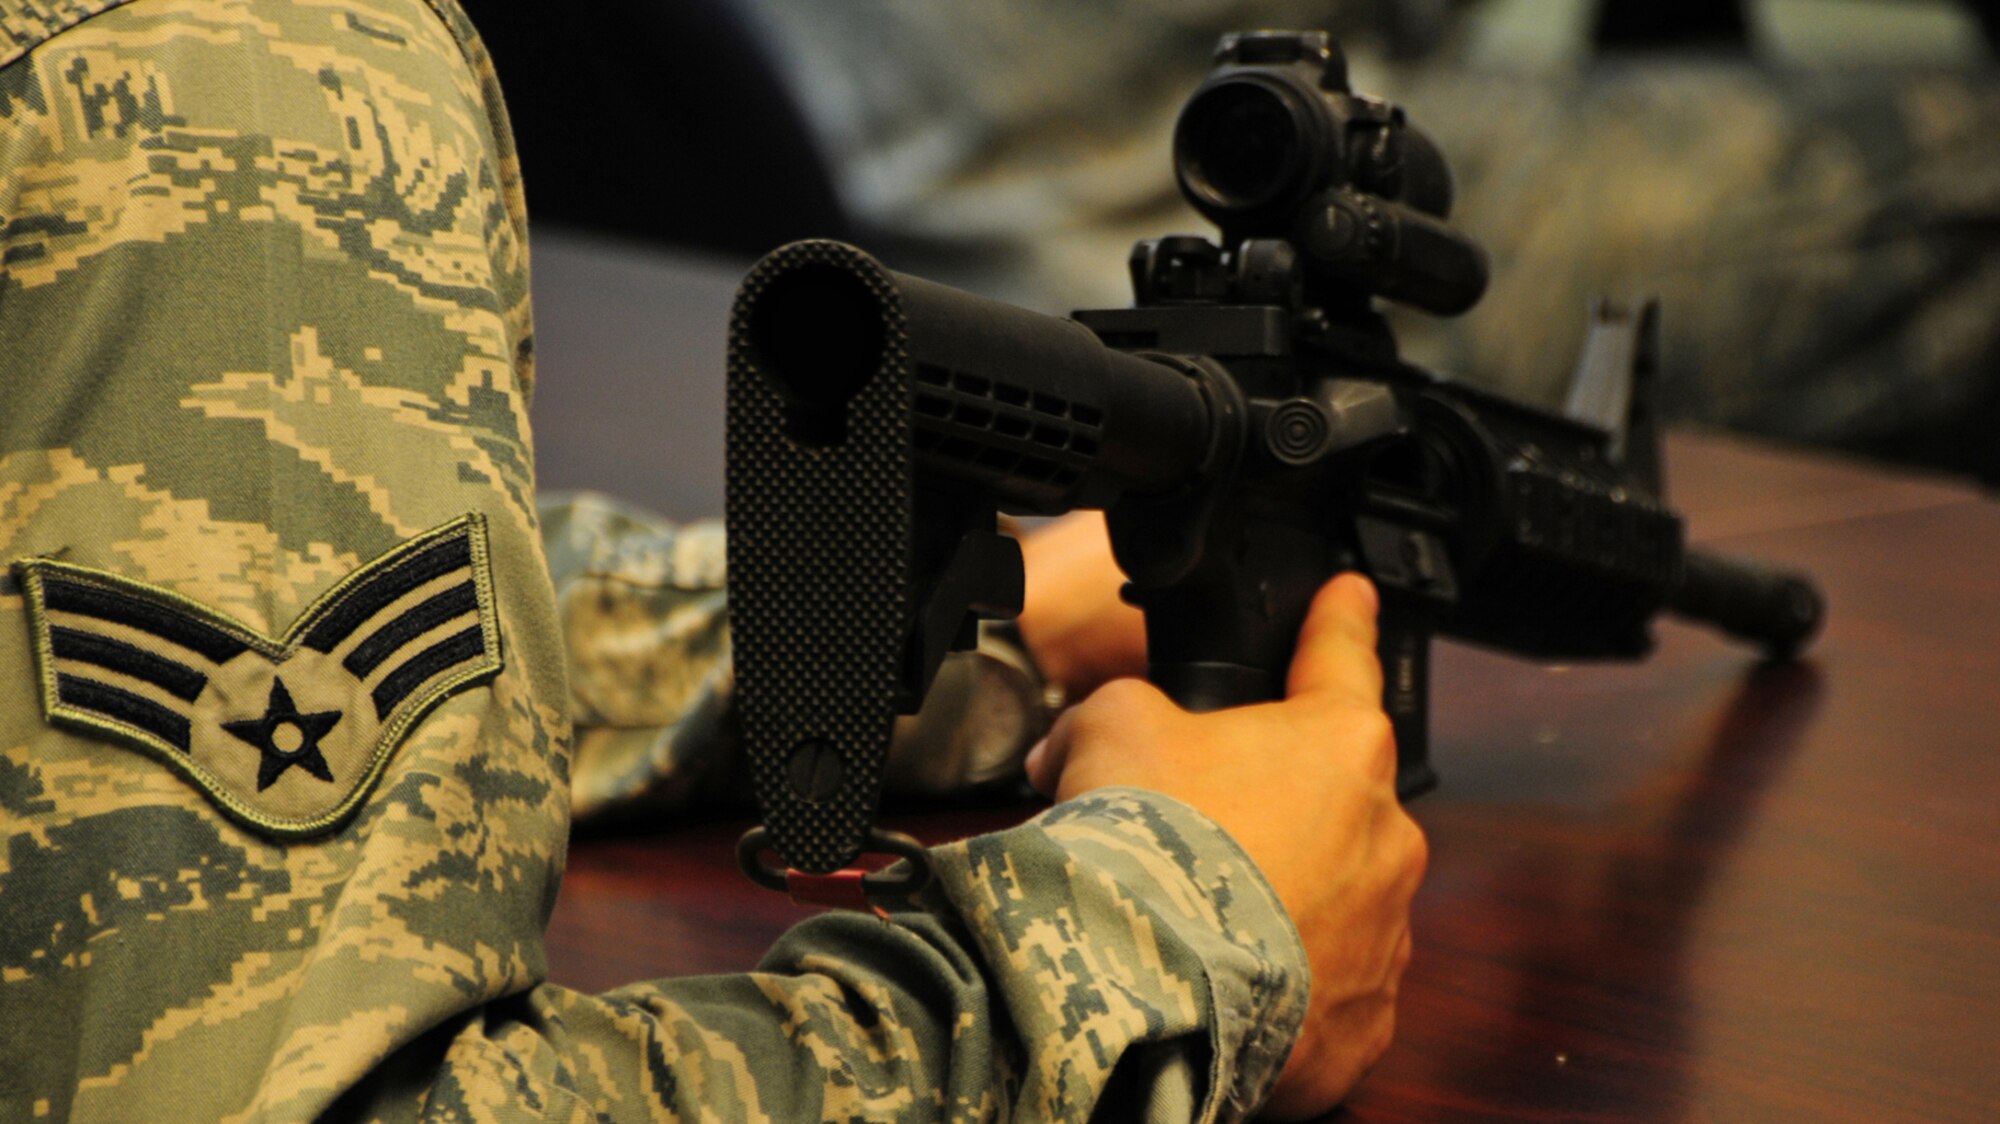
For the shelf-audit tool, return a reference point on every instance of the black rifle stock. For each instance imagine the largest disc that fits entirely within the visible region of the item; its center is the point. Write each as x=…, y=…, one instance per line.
x=1246, y=426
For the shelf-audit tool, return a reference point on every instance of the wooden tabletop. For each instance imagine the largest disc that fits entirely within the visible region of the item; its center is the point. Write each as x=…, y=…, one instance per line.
x=1688, y=889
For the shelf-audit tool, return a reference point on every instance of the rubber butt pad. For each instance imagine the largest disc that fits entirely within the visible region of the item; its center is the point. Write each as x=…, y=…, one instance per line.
x=819, y=555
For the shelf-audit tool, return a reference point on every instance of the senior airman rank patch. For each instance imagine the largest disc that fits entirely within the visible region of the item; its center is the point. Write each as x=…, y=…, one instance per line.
x=286, y=735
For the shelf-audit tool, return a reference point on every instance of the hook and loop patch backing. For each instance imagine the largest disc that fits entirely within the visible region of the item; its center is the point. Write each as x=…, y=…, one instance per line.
x=286, y=735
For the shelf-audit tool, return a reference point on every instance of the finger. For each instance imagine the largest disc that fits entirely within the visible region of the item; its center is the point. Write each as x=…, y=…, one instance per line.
x=1336, y=654
x=1065, y=558
x=1102, y=740
x=1077, y=629
x=1046, y=760
x=1080, y=535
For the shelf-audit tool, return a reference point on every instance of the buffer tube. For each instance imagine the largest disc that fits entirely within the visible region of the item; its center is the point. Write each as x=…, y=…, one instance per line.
x=1034, y=412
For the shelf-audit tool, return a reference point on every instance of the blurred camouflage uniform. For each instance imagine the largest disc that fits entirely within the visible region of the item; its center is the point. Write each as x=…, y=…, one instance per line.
x=1825, y=244
x=1825, y=238
x=284, y=738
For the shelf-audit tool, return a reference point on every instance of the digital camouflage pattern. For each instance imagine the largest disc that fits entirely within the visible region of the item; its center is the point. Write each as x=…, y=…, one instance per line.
x=644, y=616
x=263, y=319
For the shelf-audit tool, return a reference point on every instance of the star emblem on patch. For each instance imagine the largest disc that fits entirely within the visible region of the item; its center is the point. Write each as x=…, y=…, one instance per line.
x=285, y=737
x=286, y=734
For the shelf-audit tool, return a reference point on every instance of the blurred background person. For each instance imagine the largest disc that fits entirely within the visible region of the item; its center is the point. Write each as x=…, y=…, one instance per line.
x=1811, y=186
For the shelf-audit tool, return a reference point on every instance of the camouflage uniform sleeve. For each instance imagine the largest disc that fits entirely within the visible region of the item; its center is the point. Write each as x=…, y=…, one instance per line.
x=283, y=734
x=284, y=722
x=1116, y=959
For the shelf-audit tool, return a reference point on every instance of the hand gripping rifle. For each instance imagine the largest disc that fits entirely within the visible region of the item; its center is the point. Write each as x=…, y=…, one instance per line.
x=1247, y=427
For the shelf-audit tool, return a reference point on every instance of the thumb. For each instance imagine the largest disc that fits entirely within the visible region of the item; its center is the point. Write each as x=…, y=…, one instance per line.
x=1336, y=656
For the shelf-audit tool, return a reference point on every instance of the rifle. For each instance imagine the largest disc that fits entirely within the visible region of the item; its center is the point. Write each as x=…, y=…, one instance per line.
x=1246, y=426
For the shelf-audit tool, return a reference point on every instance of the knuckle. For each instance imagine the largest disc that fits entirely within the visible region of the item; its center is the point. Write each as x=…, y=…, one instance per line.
x=1120, y=706
x=1375, y=738
x=1126, y=697
x=1373, y=724
x=1417, y=847
x=1382, y=1034
x=1404, y=950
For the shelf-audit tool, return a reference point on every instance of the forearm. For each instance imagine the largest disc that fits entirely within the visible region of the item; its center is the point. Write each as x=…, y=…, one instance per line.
x=1120, y=934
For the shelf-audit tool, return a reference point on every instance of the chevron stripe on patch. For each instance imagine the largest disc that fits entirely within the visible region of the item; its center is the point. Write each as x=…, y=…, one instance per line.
x=288, y=735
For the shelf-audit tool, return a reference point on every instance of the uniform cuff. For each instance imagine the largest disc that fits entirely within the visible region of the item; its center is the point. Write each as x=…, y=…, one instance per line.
x=1137, y=938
